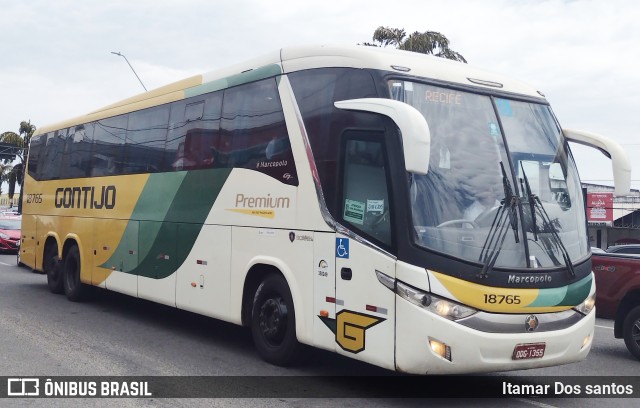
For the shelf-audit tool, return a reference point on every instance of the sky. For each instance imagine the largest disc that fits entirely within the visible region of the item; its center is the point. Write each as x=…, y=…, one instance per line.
x=56, y=58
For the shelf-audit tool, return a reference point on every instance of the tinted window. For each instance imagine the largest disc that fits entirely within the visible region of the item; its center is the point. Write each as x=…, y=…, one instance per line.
x=35, y=150
x=189, y=134
x=629, y=250
x=76, y=160
x=6, y=224
x=194, y=132
x=108, y=142
x=254, y=135
x=146, y=136
x=365, y=198
x=316, y=91
x=49, y=167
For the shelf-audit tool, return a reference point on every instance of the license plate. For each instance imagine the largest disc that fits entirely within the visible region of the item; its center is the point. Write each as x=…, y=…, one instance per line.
x=528, y=351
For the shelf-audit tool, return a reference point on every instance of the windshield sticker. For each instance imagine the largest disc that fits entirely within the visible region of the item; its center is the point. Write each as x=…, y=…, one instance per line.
x=504, y=107
x=450, y=98
x=375, y=206
x=494, y=130
x=354, y=212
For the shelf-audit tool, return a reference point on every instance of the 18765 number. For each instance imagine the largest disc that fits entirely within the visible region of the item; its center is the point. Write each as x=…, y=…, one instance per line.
x=501, y=299
x=34, y=198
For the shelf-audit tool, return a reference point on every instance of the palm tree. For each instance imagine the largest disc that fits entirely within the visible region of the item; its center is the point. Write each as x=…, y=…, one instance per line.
x=15, y=174
x=428, y=42
x=5, y=169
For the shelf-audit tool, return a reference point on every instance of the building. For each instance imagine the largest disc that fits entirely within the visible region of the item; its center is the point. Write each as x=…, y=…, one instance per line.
x=612, y=220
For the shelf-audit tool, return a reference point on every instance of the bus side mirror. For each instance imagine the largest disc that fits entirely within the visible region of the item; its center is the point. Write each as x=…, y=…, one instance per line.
x=619, y=159
x=416, y=138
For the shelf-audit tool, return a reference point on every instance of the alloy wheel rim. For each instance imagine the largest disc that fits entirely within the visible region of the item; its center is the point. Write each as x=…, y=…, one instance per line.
x=273, y=320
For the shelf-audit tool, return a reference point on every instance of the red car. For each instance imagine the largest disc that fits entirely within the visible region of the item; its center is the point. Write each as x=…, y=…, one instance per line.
x=618, y=295
x=9, y=234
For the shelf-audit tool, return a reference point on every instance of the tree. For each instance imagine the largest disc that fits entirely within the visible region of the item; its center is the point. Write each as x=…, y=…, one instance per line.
x=429, y=42
x=20, y=141
x=5, y=169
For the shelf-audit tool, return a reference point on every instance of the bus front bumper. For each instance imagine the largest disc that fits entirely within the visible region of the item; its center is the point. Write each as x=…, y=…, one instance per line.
x=422, y=338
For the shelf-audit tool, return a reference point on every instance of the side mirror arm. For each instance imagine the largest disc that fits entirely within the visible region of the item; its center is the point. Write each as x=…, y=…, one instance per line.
x=619, y=159
x=416, y=138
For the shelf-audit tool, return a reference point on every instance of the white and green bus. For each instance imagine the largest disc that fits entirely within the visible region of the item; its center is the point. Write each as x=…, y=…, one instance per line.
x=412, y=212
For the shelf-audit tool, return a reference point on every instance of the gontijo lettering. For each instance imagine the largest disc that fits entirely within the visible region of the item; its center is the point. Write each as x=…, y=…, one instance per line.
x=86, y=197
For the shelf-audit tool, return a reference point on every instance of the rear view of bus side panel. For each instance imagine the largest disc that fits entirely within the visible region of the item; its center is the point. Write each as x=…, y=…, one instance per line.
x=28, y=248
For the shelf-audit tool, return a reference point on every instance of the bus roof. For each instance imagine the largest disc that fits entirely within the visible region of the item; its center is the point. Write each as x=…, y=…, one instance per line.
x=308, y=57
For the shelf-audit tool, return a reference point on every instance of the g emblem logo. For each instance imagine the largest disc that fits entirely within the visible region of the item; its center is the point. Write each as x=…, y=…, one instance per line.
x=350, y=327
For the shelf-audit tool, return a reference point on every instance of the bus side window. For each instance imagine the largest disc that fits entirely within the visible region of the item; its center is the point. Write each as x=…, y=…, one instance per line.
x=254, y=132
x=77, y=160
x=35, y=150
x=193, y=140
x=365, y=198
x=53, y=150
x=108, y=144
x=145, y=142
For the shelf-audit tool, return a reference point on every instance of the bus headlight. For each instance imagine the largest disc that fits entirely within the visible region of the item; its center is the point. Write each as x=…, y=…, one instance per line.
x=435, y=304
x=587, y=306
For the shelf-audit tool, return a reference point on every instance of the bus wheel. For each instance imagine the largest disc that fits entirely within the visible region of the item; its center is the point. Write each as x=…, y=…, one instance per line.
x=51, y=267
x=73, y=287
x=631, y=331
x=273, y=322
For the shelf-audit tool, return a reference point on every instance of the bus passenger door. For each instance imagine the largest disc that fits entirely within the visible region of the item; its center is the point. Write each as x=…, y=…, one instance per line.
x=365, y=309
x=365, y=314
x=324, y=291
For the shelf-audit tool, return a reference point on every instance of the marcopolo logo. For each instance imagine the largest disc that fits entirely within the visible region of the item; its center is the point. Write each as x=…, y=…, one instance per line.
x=86, y=197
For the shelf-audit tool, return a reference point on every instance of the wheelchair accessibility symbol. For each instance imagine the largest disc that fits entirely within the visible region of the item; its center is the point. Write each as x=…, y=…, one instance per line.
x=342, y=248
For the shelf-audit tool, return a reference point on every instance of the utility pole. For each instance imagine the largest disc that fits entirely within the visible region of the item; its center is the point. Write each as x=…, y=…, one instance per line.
x=134, y=71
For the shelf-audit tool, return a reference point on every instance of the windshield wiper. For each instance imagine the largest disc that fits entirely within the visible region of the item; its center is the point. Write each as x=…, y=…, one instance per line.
x=532, y=203
x=550, y=226
x=499, y=227
x=536, y=206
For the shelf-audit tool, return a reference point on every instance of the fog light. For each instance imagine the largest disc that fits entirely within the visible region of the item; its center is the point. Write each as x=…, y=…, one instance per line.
x=440, y=348
x=586, y=341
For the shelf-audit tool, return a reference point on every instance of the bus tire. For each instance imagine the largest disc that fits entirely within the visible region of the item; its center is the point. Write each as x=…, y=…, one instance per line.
x=631, y=331
x=74, y=289
x=273, y=322
x=51, y=266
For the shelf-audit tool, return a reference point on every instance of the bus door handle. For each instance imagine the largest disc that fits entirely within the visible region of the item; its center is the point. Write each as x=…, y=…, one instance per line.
x=346, y=274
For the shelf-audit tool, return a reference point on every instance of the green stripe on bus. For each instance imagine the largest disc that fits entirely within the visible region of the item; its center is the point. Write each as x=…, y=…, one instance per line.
x=153, y=204
x=577, y=292
x=266, y=71
x=549, y=297
x=175, y=237
x=570, y=295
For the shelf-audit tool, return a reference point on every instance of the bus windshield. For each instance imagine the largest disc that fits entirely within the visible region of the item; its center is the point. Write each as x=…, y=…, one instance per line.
x=502, y=188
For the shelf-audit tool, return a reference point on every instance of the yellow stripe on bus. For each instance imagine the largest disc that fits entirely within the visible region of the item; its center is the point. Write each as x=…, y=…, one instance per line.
x=492, y=299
